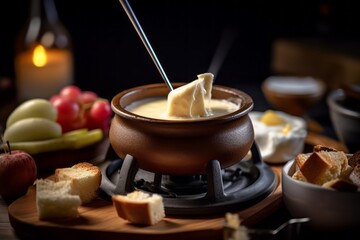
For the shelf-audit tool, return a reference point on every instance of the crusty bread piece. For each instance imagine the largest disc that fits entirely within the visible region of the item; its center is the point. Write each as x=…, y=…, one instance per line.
x=354, y=159
x=329, y=167
x=139, y=208
x=354, y=175
x=299, y=176
x=319, y=148
x=339, y=162
x=314, y=169
x=56, y=199
x=341, y=185
x=233, y=228
x=300, y=159
x=323, y=166
x=346, y=172
x=86, y=179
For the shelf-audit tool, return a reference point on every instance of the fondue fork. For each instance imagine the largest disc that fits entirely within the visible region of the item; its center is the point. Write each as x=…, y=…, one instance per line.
x=130, y=13
x=292, y=227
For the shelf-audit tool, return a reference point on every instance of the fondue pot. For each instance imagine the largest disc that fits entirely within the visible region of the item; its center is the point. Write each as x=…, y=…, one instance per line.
x=181, y=147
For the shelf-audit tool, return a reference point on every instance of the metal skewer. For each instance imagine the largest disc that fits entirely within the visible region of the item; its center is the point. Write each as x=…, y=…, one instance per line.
x=125, y=4
x=226, y=41
x=292, y=228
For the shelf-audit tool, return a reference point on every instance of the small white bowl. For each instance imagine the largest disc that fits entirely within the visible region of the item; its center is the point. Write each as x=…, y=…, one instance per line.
x=276, y=147
x=327, y=209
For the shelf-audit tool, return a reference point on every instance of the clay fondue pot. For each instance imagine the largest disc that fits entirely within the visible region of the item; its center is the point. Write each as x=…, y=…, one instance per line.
x=176, y=147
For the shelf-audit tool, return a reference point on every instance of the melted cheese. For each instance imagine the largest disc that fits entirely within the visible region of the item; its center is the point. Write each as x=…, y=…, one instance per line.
x=191, y=101
x=157, y=108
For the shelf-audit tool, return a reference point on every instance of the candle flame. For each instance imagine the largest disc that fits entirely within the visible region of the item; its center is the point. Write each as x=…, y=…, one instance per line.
x=39, y=56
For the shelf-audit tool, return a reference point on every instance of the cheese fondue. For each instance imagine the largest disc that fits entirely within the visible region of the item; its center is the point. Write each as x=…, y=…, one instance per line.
x=188, y=102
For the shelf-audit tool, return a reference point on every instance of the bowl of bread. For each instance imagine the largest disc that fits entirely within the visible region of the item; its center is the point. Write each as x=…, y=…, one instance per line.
x=324, y=185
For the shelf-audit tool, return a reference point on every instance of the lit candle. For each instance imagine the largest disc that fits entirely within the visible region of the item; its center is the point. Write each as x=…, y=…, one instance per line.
x=42, y=72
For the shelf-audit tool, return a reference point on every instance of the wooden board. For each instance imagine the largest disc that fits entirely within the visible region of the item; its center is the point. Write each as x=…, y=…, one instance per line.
x=98, y=220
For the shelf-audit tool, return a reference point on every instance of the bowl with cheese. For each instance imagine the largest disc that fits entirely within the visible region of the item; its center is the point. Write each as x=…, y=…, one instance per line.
x=197, y=123
x=279, y=136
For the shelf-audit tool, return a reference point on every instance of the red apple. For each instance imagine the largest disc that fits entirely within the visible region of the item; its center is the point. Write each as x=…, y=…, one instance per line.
x=17, y=173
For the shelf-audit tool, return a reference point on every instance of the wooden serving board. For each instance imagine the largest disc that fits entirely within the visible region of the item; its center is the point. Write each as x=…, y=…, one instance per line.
x=98, y=220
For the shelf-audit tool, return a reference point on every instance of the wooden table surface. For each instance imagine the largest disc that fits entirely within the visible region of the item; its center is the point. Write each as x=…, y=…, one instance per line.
x=272, y=221
x=6, y=231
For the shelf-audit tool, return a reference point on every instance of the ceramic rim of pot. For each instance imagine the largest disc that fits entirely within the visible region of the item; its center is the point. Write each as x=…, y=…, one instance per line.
x=122, y=99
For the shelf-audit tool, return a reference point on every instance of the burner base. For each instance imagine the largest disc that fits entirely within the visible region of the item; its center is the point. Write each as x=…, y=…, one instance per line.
x=217, y=192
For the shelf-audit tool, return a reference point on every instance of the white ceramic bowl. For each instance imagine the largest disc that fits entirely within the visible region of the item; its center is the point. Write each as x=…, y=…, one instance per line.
x=327, y=209
x=276, y=147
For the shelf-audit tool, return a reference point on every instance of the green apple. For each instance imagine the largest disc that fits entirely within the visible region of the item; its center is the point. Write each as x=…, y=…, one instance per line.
x=36, y=107
x=32, y=129
x=71, y=140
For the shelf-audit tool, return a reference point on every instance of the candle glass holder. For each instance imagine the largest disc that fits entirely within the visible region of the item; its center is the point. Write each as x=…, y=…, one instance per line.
x=44, y=59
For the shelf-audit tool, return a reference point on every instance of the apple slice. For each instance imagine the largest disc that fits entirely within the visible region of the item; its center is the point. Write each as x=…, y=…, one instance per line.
x=32, y=129
x=72, y=140
x=37, y=107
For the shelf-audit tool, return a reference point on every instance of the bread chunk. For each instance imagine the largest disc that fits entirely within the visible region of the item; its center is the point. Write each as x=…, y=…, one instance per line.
x=328, y=167
x=354, y=176
x=341, y=185
x=233, y=228
x=301, y=158
x=319, y=148
x=86, y=179
x=315, y=161
x=56, y=199
x=338, y=160
x=354, y=159
x=139, y=208
x=299, y=176
x=321, y=167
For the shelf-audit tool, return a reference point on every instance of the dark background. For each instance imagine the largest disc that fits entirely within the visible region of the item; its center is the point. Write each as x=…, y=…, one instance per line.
x=109, y=56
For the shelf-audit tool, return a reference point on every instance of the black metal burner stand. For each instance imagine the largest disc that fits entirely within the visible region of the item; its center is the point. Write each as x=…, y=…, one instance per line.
x=218, y=191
